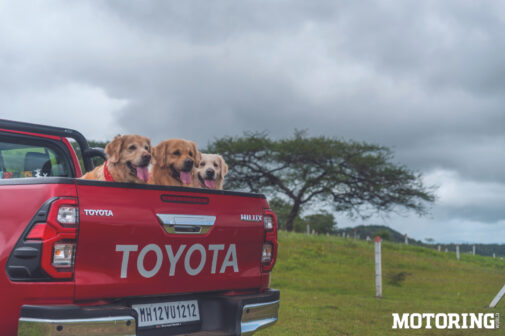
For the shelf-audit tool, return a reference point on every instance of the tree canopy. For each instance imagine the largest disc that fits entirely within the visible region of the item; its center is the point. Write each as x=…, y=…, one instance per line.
x=349, y=176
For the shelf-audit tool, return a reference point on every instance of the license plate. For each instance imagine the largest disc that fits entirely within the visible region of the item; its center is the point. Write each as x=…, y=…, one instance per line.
x=167, y=314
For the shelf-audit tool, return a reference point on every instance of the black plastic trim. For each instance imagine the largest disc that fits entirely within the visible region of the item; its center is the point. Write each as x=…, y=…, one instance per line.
x=23, y=264
x=65, y=312
x=96, y=152
x=51, y=130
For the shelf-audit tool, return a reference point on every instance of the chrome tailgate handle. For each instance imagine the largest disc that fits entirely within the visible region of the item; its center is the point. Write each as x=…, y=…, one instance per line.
x=186, y=224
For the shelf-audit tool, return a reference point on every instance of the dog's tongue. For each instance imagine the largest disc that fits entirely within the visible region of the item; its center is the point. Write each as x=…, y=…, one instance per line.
x=185, y=177
x=211, y=184
x=143, y=173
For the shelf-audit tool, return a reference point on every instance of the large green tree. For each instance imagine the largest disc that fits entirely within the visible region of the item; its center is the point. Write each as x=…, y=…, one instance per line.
x=354, y=177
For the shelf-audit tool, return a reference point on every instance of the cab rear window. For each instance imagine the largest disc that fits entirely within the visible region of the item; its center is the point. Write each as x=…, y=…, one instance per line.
x=32, y=159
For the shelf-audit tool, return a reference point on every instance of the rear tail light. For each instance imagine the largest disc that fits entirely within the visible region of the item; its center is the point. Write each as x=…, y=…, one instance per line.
x=46, y=249
x=269, y=247
x=68, y=215
x=268, y=221
x=63, y=255
x=266, y=254
x=58, y=236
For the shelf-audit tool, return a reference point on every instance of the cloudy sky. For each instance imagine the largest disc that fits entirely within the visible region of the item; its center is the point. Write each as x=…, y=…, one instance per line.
x=426, y=78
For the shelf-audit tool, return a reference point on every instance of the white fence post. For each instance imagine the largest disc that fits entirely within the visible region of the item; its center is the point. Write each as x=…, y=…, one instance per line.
x=308, y=228
x=473, y=249
x=438, y=248
x=406, y=239
x=457, y=251
x=378, y=268
x=497, y=298
x=494, y=255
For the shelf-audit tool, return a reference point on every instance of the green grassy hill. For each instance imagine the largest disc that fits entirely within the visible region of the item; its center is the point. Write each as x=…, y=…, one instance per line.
x=327, y=286
x=362, y=231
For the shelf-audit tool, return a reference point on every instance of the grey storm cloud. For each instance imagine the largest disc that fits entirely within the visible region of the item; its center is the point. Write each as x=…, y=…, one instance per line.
x=425, y=78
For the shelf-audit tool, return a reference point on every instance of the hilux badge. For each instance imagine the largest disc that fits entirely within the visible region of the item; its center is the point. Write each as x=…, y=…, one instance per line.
x=251, y=218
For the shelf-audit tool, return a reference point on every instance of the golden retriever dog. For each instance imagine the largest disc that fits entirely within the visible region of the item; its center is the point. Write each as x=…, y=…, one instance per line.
x=211, y=171
x=174, y=163
x=128, y=158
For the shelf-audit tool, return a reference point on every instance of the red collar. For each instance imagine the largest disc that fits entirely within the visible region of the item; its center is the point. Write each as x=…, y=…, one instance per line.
x=106, y=173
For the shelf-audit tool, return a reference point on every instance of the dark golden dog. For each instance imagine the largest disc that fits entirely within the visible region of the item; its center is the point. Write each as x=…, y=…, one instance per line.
x=211, y=171
x=174, y=162
x=127, y=159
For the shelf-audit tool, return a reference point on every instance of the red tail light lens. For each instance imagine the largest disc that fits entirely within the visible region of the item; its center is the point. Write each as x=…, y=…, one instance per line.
x=41, y=231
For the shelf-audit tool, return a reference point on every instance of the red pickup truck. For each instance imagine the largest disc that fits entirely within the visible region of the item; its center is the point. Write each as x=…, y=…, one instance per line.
x=81, y=257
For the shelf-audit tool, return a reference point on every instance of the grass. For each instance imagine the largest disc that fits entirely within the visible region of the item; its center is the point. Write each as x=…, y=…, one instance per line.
x=328, y=286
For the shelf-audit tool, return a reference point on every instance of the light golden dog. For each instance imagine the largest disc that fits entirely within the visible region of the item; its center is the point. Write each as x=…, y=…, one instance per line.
x=174, y=163
x=211, y=171
x=127, y=159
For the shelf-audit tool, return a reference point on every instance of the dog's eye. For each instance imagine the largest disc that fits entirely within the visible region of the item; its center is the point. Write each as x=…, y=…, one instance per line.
x=202, y=164
x=132, y=147
x=191, y=154
x=177, y=153
x=146, y=147
x=215, y=164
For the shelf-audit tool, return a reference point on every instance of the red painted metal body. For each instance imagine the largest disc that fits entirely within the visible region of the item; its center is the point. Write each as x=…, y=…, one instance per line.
x=134, y=223
x=18, y=204
x=75, y=160
x=226, y=259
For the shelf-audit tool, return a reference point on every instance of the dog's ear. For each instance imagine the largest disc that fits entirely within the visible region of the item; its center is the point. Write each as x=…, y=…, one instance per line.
x=149, y=145
x=158, y=155
x=198, y=155
x=224, y=166
x=113, y=149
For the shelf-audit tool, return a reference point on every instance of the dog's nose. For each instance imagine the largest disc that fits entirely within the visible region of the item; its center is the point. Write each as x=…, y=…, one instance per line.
x=146, y=158
x=188, y=164
x=210, y=173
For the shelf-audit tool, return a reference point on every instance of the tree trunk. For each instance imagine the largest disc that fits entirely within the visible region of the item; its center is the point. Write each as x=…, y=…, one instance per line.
x=292, y=215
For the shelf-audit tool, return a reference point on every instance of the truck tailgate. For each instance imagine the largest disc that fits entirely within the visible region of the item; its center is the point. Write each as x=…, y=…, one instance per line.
x=150, y=240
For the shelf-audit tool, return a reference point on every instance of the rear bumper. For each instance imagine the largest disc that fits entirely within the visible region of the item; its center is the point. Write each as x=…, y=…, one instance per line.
x=220, y=315
x=76, y=320
x=257, y=316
